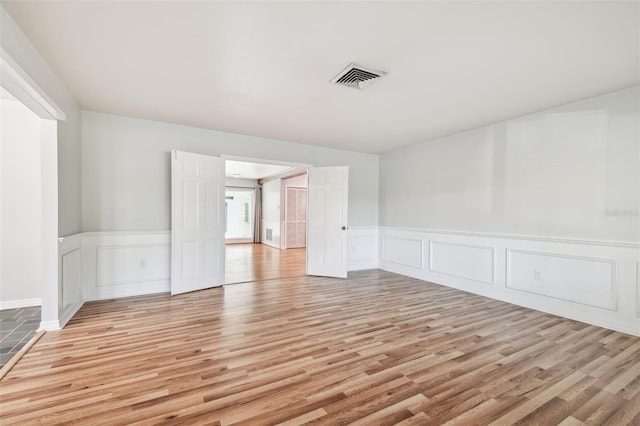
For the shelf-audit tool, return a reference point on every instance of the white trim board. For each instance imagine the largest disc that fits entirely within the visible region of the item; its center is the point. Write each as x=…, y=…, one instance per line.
x=68, y=313
x=52, y=325
x=541, y=238
x=20, y=85
x=20, y=303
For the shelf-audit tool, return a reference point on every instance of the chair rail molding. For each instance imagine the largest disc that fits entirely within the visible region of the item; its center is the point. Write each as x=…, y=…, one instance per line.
x=70, y=297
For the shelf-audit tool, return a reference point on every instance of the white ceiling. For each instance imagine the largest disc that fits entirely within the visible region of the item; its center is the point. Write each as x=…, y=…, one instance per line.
x=263, y=68
x=248, y=170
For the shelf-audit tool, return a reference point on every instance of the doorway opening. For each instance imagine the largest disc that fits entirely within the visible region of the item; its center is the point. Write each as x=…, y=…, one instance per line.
x=265, y=220
x=20, y=205
x=198, y=249
x=239, y=215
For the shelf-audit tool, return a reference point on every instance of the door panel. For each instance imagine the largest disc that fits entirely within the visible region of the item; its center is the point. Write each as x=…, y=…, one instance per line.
x=327, y=221
x=197, y=231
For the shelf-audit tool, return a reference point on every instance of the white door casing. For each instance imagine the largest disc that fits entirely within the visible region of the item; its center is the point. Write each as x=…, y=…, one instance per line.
x=197, y=221
x=327, y=221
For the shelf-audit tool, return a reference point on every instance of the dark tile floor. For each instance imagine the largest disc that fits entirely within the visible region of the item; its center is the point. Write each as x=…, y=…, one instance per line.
x=17, y=327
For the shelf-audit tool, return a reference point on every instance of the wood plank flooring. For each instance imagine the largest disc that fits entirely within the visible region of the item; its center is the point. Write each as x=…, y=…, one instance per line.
x=256, y=262
x=375, y=349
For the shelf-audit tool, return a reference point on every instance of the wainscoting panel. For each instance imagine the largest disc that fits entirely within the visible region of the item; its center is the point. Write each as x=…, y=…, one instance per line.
x=597, y=282
x=575, y=279
x=362, y=246
x=473, y=263
x=71, y=277
x=590, y=281
x=403, y=251
x=70, y=297
x=120, y=264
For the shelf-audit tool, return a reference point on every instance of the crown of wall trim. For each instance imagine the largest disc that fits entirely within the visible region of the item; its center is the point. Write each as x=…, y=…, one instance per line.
x=20, y=85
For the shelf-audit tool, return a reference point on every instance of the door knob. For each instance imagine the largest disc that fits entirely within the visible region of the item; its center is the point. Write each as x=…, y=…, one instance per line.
x=344, y=228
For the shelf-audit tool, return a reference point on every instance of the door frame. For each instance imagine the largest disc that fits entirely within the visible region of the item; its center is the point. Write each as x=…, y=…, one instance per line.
x=18, y=82
x=264, y=161
x=307, y=166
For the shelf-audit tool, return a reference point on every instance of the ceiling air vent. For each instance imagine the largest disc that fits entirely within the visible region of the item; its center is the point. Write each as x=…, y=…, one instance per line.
x=357, y=77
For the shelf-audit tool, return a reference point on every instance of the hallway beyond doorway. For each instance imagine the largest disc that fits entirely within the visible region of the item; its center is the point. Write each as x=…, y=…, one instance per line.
x=257, y=262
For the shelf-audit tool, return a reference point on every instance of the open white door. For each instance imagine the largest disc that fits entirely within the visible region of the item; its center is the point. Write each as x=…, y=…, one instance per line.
x=197, y=222
x=328, y=195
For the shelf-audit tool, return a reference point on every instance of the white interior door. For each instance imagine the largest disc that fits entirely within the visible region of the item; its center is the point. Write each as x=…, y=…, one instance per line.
x=328, y=195
x=197, y=221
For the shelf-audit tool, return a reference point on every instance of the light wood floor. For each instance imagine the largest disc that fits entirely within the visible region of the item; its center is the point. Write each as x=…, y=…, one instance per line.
x=375, y=349
x=256, y=262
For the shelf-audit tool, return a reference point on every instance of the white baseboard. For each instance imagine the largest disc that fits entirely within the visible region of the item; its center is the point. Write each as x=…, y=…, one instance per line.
x=136, y=289
x=21, y=303
x=69, y=277
x=69, y=312
x=590, y=281
x=50, y=325
x=270, y=244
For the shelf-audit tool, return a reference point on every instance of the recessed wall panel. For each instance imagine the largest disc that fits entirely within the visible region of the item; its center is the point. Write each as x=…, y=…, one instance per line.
x=127, y=264
x=584, y=280
x=464, y=261
x=71, y=277
x=403, y=251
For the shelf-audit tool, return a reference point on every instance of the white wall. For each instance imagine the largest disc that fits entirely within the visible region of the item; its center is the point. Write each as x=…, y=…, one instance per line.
x=540, y=211
x=571, y=171
x=21, y=245
x=236, y=227
x=16, y=44
x=271, y=199
x=125, y=169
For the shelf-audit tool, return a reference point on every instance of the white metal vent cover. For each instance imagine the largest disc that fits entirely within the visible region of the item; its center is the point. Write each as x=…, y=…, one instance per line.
x=357, y=76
